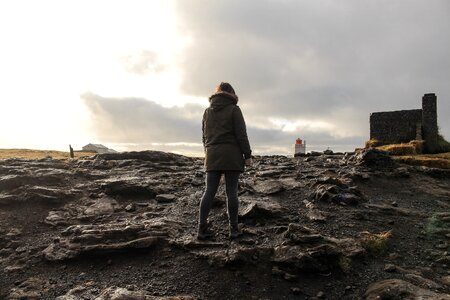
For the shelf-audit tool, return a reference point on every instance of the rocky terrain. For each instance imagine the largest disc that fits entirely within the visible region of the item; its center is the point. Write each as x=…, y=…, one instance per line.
x=323, y=226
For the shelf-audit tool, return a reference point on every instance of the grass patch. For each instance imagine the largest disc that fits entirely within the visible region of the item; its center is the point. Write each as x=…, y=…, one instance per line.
x=441, y=160
x=38, y=154
x=412, y=148
x=373, y=143
x=399, y=149
x=375, y=243
x=345, y=264
x=434, y=225
x=410, y=153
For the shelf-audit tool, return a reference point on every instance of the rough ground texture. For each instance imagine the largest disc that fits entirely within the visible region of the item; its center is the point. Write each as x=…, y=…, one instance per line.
x=123, y=226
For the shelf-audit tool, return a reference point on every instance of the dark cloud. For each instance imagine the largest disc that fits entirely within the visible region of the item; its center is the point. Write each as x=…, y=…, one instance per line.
x=311, y=59
x=138, y=124
x=135, y=120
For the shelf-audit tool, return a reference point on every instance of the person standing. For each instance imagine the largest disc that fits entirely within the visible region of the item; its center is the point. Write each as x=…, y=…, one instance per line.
x=227, y=150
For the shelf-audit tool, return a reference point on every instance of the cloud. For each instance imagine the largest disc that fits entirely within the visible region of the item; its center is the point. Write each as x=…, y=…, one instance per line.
x=135, y=120
x=137, y=124
x=309, y=69
x=322, y=60
x=142, y=63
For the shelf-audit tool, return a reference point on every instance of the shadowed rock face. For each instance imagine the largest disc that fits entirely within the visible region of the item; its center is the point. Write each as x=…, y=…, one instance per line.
x=123, y=226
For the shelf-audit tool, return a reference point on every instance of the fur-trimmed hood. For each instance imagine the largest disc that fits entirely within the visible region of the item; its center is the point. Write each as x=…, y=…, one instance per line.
x=214, y=98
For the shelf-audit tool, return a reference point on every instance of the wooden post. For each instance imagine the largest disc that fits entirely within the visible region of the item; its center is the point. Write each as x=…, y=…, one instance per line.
x=71, y=151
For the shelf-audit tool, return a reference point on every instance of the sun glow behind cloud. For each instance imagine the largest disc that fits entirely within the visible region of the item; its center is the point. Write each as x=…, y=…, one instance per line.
x=54, y=51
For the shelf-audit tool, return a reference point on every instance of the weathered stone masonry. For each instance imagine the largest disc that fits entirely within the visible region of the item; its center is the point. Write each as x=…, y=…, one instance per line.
x=405, y=125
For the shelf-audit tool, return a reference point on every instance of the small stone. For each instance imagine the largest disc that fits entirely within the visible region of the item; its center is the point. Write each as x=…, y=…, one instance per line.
x=296, y=290
x=21, y=249
x=13, y=232
x=390, y=268
x=165, y=198
x=320, y=295
x=446, y=280
x=290, y=277
x=394, y=204
x=442, y=245
x=130, y=207
x=316, y=215
x=394, y=256
x=276, y=271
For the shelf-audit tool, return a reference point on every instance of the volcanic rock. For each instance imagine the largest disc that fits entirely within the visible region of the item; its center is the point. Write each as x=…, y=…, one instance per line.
x=165, y=198
x=128, y=189
x=93, y=228
x=268, y=187
x=399, y=289
x=88, y=291
x=373, y=158
x=110, y=237
x=259, y=210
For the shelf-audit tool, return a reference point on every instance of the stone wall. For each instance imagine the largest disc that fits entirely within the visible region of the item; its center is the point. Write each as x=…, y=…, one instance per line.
x=402, y=126
x=429, y=122
x=396, y=126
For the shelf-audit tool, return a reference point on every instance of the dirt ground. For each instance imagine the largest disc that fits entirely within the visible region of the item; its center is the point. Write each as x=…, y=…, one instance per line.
x=330, y=200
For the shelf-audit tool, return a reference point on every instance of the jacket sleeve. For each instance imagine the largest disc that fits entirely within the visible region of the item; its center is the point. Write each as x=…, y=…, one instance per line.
x=240, y=132
x=203, y=131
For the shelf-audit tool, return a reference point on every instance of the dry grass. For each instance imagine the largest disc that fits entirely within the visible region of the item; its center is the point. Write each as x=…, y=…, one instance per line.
x=375, y=243
x=441, y=160
x=399, y=149
x=439, y=155
x=38, y=154
x=373, y=143
x=410, y=153
x=411, y=148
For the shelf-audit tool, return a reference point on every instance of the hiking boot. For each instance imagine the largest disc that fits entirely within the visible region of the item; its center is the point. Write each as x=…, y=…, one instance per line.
x=234, y=231
x=203, y=232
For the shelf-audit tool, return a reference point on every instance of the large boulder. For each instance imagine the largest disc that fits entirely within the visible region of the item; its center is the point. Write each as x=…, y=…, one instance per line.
x=89, y=291
x=306, y=250
x=86, y=209
x=111, y=237
x=237, y=255
x=261, y=210
x=152, y=156
x=128, y=189
x=373, y=158
x=268, y=187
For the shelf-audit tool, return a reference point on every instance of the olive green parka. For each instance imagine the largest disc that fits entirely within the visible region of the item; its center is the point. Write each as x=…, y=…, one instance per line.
x=224, y=134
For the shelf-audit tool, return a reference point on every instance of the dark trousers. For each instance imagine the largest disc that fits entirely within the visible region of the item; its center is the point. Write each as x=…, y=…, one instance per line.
x=212, y=184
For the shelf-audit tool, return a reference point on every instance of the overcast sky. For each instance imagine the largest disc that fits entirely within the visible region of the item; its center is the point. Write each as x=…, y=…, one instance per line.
x=136, y=75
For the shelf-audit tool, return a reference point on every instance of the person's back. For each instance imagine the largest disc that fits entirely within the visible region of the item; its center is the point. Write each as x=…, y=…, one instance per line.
x=218, y=120
x=226, y=146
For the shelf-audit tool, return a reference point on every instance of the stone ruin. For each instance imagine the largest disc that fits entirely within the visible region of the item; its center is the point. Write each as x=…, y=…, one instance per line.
x=402, y=126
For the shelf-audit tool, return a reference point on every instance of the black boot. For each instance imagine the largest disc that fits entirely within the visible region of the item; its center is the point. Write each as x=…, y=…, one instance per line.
x=234, y=231
x=203, y=232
